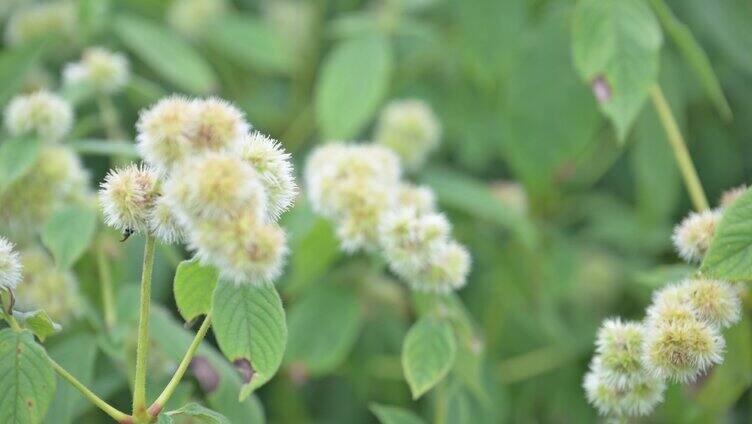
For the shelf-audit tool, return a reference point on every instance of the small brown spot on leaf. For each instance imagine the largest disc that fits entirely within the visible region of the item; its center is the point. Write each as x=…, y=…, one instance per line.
x=601, y=89
x=243, y=367
x=207, y=376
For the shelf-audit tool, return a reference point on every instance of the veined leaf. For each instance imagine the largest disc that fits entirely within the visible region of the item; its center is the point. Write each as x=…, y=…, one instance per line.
x=354, y=78
x=38, y=322
x=27, y=379
x=168, y=55
x=17, y=155
x=200, y=414
x=194, y=286
x=323, y=329
x=729, y=256
x=250, y=327
x=428, y=354
x=616, y=47
x=68, y=233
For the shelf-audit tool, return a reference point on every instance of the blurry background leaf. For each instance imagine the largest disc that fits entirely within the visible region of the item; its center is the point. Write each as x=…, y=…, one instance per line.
x=76, y=353
x=252, y=42
x=17, y=155
x=68, y=233
x=354, y=78
x=394, y=415
x=169, y=56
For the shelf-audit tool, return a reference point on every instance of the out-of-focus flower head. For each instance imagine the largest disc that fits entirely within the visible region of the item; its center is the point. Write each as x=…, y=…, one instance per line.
x=410, y=240
x=47, y=287
x=272, y=164
x=56, y=20
x=635, y=399
x=10, y=265
x=42, y=113
x=446, y=270
x=409, y=128
x=164, y=132
x=193, y=18
x=127, y=196
x=693, y=235
x=419, y=198
x=105, y=71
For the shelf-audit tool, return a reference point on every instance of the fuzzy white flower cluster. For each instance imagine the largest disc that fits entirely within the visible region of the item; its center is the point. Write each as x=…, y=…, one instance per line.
x=105, y=71
x=10, y=265
x=679, y=340
x=359, y=187
x=53, y=19
x=209, y=182
x=410, y=129
x=42, y=113
x=57, y=176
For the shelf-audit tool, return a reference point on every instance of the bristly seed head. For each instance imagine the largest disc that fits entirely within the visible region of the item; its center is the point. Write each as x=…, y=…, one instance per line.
x=10, y=265
x=127, y=196
x=693, y=235
x=410, y=129
x=105, y=71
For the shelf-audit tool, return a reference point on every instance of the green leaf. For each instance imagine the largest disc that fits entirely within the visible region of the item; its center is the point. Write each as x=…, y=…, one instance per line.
x=394, y=415
x=15, y=65
x=427, y=354
x=167, y=54
x=252, y=42
x=729, y=256
x=194, y=285
x=172, y=339
x=616, y=47
x=694, y=55
x=17, y=155
x=26, y=378
x=76, y=352
x=200, y=414
x=39, y=322
x=123, y=149
x=249, y=324
x=354, y=79
x=473, y=197
x=323, y=329
x=68, y=233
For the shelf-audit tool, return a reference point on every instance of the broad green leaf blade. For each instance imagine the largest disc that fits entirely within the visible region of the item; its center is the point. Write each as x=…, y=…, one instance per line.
x=200, y=414
x=428, y=354
x=77, y=353
x=17, y=155
x=463, y=193
x=354, y=79
x=68, y=234
x=249, y=324
x=15, y=65
x=394, y=415
x=729, y=256
x=616, y=47
x=194, y=285
x=219, y=381
x=694, y=55
x=323, y=329
x=26, y=378
x=167, y=54
x=252, y=42
x=38, y=322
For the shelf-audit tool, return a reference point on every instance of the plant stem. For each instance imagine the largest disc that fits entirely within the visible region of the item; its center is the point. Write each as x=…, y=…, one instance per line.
x=11, y=320
x=139, y=385
x=158, y=404
x=110, y=118
x=683, y=159
x=105, y=281
x=108, y=409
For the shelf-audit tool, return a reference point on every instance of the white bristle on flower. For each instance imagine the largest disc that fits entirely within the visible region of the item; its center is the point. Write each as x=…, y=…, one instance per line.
x=619, y=345
x=636, y=399
x=218, y=126
x=127, y=196
x=670, y=304
x=105, y=71
x=410, y=128
x=43, y=113
x=272, y=163
x=164, y=224
x=10, y=265
x=215, y=185
x=410, y=240
x=693, y=235
x=446, y=271
x=164, y=131
x=715, y=302
x=420, y=198
x=244, y=249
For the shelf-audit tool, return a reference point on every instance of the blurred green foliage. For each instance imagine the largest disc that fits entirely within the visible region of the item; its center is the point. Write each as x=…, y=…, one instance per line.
x=593, y=242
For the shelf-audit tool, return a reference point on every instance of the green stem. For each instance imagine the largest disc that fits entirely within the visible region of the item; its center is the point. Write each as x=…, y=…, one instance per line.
x=158, y=404
x=11, y=320
x=110, y=118
x=105, y=281
x=108, y=409
x=139, y=385
x=683, y=159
